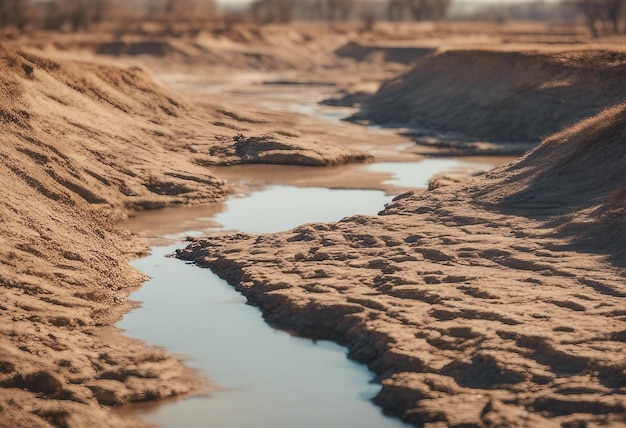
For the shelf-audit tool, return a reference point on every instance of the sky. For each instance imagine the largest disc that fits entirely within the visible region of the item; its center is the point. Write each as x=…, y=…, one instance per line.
x=242, y=2
x=456, y=1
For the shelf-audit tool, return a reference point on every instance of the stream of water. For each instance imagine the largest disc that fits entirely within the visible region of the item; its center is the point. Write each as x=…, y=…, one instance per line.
x=266, y=378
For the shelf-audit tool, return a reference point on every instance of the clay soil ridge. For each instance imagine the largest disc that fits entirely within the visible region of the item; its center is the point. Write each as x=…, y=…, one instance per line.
x=496, y=302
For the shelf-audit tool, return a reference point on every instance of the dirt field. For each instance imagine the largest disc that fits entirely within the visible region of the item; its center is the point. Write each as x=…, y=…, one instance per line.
x=496, y=302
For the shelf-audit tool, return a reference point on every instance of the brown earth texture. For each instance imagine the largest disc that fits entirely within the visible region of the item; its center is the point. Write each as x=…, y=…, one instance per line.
x=497, y=301
x=500, y=96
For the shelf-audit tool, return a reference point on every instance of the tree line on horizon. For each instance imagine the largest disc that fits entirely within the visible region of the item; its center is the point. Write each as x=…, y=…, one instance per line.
x=273, y=11
x=600, y=16
x=83, y=15
x=603, y=16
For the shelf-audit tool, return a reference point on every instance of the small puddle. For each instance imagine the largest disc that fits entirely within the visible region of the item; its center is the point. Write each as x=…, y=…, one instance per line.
x=332, y=114
x=266, y=378
x=278, y=208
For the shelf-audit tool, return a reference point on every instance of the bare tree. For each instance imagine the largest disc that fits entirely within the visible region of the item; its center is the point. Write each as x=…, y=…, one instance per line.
x=614, y=10
x=423, y=10
x=418, y=9
x=188, y=15
x=339, y=9
x=592, y=13
x=319, y=8
x=439, y=9
x=99, y=9
x=272, y=11
x=77, y=14
x=180, y=10
x=53, y=18
x=15, y=13
x=395, y=9
x=608, y=12
x=368, y=16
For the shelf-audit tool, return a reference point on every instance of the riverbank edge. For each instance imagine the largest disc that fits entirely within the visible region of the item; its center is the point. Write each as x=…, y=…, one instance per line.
x=23, y=380
x=415, y=292
x=70, y=178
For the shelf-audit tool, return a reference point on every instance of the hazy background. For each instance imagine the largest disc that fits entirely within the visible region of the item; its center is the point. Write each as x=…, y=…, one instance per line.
x=601, y=17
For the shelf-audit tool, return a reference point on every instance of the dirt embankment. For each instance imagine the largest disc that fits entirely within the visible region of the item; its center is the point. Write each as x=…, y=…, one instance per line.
x=499, y=96
x=83, y=144
x=497, y=302
x=80, y=145
x=241, y=48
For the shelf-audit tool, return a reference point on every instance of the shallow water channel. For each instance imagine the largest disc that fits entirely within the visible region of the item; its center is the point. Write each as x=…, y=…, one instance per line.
x=264, y=377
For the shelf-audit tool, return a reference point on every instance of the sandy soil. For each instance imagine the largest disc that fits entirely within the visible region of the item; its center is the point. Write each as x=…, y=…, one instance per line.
x=74, y=159
x=89, y=137
x=498, y=96
x=84, y=144
x=490, y=303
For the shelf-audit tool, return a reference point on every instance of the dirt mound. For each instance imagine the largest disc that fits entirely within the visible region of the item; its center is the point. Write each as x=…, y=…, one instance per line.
x=477, y=304
x=80, y=124
x=84, y=144
x=240, y=48
x=499, y=96
x=579, y=173
x=80, y=144
x=581, y=167
x=268, y=149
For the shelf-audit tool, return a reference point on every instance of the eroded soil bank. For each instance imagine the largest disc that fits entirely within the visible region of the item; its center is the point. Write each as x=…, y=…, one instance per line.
x=498, y=302
x=495, y=95
x=84, y=143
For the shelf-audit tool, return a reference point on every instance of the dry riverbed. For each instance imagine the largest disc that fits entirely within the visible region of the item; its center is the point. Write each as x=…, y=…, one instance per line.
x=493, y=302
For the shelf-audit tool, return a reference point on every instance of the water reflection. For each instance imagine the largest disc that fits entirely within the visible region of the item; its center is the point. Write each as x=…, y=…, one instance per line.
x=278, y=208
x=418, y=174
x=268, y=377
